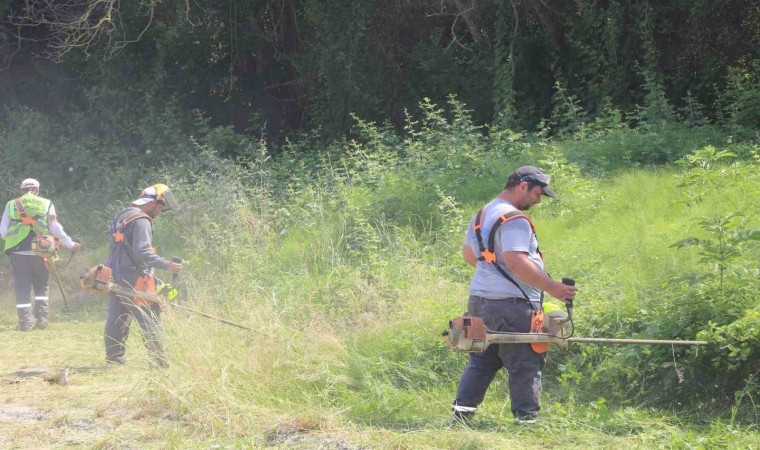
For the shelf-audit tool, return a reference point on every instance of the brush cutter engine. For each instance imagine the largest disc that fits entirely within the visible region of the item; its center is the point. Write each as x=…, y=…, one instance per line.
x=97, y=279
x=45, y=246
x=469, y=333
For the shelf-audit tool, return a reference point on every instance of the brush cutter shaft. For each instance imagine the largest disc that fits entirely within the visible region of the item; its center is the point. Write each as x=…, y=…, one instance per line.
x=99, y=279
x=122, y=290
x=519, y=338
x=469, y=334
x=129, y=292
x=209, y=316
x=635, y=341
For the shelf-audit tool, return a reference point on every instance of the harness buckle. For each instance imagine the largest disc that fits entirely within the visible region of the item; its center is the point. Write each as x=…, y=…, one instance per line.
x=488, y=256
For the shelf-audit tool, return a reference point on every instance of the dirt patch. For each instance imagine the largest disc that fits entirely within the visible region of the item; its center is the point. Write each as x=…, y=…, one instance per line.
x=22, y=414
x=299, y=438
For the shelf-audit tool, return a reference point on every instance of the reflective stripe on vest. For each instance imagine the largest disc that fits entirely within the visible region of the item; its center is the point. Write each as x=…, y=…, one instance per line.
x=35, y=208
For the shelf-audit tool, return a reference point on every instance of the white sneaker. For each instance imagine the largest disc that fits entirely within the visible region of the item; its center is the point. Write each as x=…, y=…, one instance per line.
x=525, y=420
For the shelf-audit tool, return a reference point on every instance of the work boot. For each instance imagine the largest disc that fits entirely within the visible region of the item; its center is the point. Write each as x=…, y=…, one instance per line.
x=41, y=324
x=158, y=362
x=25, y=327
x=461, y=419
x=116, y=360
x=526, y=420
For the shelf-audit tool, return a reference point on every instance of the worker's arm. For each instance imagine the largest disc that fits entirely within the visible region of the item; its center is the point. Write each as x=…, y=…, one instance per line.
x=142, y=238
x=56, y=229
x=5, y=223
x=519, y=264
x=517, y=239
x=469, y=255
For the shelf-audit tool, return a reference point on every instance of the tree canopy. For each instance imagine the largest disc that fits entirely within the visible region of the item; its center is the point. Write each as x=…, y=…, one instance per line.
x=281, y=67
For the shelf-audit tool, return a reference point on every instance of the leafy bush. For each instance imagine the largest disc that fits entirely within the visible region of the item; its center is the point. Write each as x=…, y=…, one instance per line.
x=741, y=99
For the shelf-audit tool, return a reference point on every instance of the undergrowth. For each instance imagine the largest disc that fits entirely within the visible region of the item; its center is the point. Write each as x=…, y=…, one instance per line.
x=346, y=262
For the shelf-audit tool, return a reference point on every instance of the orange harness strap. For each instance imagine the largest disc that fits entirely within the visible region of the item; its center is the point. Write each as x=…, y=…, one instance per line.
x=118, y=234
x=25, y=219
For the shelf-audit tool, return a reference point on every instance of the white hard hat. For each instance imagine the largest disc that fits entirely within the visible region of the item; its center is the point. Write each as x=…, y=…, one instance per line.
x=29, y=183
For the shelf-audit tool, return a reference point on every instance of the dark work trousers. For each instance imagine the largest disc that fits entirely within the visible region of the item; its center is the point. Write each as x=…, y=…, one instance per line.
x=121, y=311
x=30, y=272
x=522, y=363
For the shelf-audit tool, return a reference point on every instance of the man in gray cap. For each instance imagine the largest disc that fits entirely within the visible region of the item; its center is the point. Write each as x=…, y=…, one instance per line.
x=25, y=220
x=506, y=289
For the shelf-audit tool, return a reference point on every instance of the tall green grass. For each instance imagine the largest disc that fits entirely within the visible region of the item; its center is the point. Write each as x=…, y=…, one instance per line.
x=350, y=271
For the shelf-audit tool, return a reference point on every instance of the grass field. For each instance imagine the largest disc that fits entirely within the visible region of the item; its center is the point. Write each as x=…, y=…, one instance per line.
x=121, y=407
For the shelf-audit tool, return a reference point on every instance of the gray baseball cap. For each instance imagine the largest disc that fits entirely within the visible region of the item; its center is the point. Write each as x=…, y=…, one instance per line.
x=534, y=175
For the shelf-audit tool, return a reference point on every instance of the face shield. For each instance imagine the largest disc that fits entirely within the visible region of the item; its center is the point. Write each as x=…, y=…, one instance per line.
x=166, y=197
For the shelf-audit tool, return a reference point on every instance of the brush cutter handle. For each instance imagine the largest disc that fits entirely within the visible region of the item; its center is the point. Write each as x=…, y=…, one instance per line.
x=179, y=298
x=569, y=303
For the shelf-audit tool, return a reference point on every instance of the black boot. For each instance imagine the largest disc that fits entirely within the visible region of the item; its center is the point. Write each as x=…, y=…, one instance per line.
x=461, y=418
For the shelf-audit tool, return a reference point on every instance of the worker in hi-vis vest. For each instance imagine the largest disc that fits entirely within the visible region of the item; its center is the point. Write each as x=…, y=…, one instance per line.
x=27, y=219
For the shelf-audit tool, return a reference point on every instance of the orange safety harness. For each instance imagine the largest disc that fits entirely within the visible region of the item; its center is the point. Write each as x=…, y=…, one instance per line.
x=145, y=282
x=43, y=243
x=118, y=233
x=488, y=255
x=25, y=219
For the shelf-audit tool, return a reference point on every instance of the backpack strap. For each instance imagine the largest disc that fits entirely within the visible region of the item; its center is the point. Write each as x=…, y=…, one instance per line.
x=119, y=227
x=488, y=254
x=25, y=219
x=120, y=237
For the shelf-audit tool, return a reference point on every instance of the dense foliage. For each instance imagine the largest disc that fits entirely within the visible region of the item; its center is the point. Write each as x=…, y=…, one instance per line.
x=284, y=67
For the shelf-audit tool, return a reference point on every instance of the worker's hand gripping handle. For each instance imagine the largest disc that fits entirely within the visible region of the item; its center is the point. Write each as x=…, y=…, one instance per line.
x=177, y=260
x=179, y=298
x=569, y=303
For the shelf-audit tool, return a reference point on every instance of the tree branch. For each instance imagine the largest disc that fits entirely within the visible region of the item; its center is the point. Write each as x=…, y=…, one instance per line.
x=82, y=25
x=472, y=27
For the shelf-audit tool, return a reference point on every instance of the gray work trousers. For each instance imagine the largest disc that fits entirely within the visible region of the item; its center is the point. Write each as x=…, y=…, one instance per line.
x=121, y=311
x=30, y=273
x=522, y=363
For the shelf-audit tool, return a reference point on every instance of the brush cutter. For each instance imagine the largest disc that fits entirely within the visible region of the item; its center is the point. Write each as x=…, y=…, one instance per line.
x=99, y=279
x=469, y=333
x=46, y=247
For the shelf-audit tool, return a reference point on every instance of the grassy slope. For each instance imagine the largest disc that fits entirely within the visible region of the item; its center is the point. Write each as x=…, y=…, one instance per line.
x=115, y=407
x=312, y=379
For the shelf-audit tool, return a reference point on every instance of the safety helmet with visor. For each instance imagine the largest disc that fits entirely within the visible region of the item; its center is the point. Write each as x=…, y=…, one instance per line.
x=160, y=193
